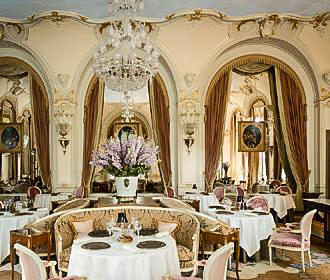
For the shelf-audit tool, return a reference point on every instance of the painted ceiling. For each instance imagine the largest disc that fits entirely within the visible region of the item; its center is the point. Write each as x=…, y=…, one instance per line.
x=156, y=9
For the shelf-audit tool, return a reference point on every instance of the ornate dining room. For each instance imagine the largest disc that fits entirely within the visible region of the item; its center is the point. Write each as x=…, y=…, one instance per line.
x=164, y=140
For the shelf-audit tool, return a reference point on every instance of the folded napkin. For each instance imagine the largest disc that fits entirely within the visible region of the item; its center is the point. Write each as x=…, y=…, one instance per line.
x=249, y=214
x=162, y=234
x=134, y=250
x=42, y=209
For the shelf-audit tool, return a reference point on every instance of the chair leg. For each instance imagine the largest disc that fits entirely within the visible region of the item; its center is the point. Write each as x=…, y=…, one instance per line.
x=303, y=260
x=270, y=255
x=310, y=258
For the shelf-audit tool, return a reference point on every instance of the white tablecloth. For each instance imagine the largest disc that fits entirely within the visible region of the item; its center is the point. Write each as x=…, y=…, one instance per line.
x=120, y=263
x=8, y=223
x=45, y=200
x=281, y=204
x=252, y=229
x=205, y=201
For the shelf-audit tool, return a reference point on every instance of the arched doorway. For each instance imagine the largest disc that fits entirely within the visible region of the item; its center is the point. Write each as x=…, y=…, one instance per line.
x=216, y=101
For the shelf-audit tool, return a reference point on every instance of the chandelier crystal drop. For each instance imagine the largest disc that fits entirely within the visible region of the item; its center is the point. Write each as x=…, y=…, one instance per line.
x=116, y=62
x=127, y=107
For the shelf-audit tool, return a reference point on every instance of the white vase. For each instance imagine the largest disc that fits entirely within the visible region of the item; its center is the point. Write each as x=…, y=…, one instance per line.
x=126, y=186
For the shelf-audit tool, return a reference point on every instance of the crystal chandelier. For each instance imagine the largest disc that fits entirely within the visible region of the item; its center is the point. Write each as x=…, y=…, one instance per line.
x=123, y=70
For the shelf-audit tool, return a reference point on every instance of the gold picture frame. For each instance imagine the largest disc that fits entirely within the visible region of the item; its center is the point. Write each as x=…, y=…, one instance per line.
x=11, y=137
x=119, y=127
x=251, y=136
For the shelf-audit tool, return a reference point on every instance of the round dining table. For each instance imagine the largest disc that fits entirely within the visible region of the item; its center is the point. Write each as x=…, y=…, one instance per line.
x=45, y=200
x=253, y=227
x=205, y=200
x=9, y=222
x=123, y=261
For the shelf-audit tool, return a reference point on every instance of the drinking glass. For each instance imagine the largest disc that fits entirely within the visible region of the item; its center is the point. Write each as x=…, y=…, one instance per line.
x=137, y=227
x=111, y=226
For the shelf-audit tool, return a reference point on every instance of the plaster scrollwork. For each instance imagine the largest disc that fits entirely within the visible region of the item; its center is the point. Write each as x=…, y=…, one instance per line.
x=65, y=107
x=189, y=80
x=325, y=98
x=63, y=80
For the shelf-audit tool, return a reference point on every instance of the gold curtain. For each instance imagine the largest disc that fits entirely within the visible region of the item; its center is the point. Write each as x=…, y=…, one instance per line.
x=93, y=111
x=215, y=117
x=277, y=162
x=293, y=119
x=40, y=113
x=160, y=115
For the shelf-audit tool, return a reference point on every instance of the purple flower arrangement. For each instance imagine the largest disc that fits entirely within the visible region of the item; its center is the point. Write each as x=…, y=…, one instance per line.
x=128, y=156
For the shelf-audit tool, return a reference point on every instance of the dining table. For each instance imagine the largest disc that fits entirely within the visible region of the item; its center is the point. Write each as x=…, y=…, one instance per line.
x=10, y=221
x=205, y=200
x=254, y=227
x=122, y=261
x=45, y=200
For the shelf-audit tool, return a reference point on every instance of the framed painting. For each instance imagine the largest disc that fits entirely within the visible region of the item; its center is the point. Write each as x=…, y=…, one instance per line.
x=11, y=137
x=251, y=136
x=126, y=128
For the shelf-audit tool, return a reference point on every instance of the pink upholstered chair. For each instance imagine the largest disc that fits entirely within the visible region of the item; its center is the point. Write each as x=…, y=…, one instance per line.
x=286, y=189
x=34, y=268
x=258, y=202
x=170, y=192
x=216, y=266
x=219, y=193
x=33, y=191
x=240, y=191
x=78, y=192
x=298, y=241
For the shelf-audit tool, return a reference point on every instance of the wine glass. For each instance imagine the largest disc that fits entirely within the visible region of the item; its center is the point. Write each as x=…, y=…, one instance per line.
x=138, y=227
x=132, y=223
x=111, y=226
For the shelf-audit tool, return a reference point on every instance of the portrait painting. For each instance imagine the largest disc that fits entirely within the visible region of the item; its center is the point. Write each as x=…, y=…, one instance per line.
x=11, y=137
x=125, y=129
x=251, y=136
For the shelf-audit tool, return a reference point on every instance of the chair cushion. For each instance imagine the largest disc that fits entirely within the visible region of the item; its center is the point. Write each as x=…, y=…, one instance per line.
x=82, y=227
x=186, y=256
x=65, y=257
x=185, y=278
x=288, y=240
x=168, y=227
x=65, y=278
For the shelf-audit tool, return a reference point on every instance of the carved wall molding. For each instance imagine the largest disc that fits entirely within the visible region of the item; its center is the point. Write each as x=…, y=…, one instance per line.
x=325, y=98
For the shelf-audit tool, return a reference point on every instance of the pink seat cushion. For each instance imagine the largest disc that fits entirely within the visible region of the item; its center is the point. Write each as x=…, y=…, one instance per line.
x=258, y=202
x=185, y=278
x=66, y=278
x=288, y=239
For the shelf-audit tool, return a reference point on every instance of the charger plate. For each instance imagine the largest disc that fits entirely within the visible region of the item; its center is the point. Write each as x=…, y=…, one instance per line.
x=260, y=213
x=223, y=212
x=216, y=207
x=95, y=246
x=99, y=233
x=151, y=244
x=23, y=214
x=148, y=231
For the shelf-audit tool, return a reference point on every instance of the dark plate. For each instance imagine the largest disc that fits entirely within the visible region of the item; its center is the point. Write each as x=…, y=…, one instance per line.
x=263, y=192
x=33, y=209
x=99, y=233
x=204, y=193
x=217, y=207
x=260, y=213
x=96, y=246
x=223, y=212
x=1, y=214
x=148, y=231
x=190, y=193
x=23, y=214
x=151, y=244
x=2, y=209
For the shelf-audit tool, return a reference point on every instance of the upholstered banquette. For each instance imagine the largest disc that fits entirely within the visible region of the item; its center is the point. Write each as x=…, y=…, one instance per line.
x=186, y=234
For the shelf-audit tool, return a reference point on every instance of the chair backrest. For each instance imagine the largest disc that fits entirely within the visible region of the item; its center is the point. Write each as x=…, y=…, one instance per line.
x=1, y=204
x=276, y=183
x=255, y=188
x=216, y=265
x=258, y=202
x=306, y=225
x=170, y=192
x=79, y=192
x=219, y=192
x=32, y=266
x=239, y=191
x=78, y=203
x=286, y=189
x=33, y=191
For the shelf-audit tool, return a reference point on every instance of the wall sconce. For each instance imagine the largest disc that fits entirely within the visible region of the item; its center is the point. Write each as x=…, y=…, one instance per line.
x=189, y=139
x=64, y=143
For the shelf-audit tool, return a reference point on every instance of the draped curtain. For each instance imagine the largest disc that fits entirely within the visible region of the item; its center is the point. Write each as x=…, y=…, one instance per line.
x=295, y=131
x=40, y=113
x=160, y=115
x=93, y=111
x=215, y=118
x=282, y=152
